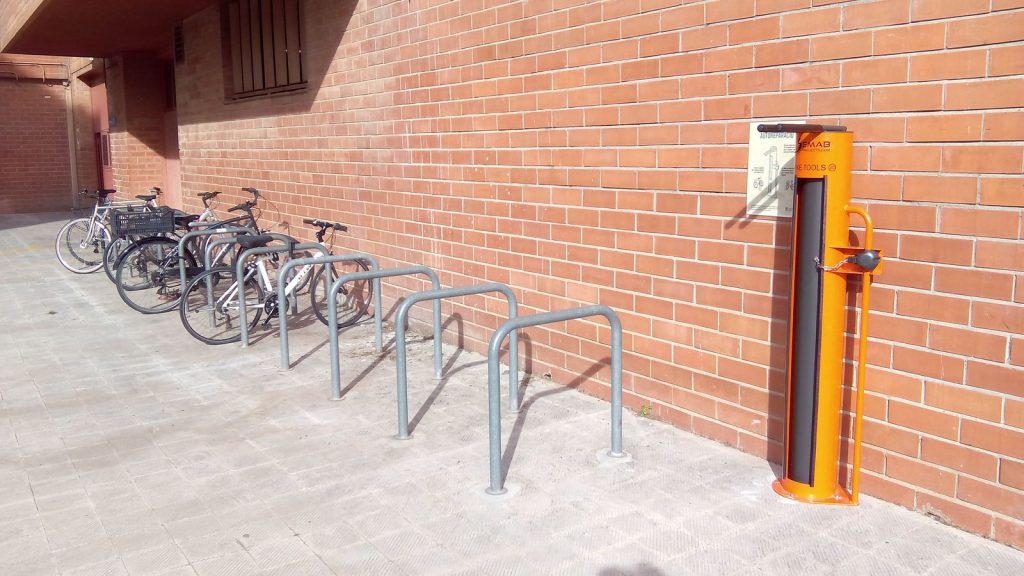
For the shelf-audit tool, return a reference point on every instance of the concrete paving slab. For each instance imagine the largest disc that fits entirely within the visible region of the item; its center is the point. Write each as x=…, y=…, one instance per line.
x=127, y=447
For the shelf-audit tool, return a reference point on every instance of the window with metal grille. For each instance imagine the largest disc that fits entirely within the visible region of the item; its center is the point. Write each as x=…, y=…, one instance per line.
x=266, y=46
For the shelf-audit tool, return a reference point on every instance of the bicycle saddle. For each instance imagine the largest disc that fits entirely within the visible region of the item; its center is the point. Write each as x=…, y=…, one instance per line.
x=247, y=241
x=185, y=219
x=146, y=197
x=103, y=193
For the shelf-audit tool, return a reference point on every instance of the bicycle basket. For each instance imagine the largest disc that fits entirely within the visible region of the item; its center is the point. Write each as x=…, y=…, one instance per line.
x=142, y=223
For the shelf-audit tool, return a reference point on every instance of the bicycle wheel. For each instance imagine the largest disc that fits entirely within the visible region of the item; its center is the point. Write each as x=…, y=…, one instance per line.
x=114, y=250
x=147, y=276
x=80, y=245
x=353, y=298
x=209, y=309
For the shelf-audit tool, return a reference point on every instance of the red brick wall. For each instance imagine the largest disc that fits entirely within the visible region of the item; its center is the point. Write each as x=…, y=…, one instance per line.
x=137, y=101
x=34, y=167
x=588, y=151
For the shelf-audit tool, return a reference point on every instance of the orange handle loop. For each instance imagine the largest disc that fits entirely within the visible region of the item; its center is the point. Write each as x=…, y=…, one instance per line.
x=862, y=354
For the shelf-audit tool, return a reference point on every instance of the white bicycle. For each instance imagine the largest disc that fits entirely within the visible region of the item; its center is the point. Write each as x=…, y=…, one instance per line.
x=82, y=243
x=209, y=308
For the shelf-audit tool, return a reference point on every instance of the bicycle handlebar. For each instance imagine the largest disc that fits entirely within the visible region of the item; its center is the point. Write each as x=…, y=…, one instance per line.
x=253, y=191
x=325, y=225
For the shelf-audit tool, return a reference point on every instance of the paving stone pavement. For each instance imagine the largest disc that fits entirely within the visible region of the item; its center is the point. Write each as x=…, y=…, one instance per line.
x=127, y=447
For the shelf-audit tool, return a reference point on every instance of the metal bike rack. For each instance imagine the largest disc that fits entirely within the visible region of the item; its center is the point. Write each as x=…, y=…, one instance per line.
x=435, y=295
x=493, y=396
x=289, y=246
x=207, y=232
x=284, y=238
x=376, y=275
x=317, y=260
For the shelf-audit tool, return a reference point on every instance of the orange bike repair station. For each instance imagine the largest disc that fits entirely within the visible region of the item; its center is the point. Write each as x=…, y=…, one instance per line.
x=822, y=259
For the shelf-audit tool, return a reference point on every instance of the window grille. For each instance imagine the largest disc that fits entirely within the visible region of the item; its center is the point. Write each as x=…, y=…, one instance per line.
x=266, y=46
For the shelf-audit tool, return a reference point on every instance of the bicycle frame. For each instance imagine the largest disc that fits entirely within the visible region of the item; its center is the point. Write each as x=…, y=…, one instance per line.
x=101, y=217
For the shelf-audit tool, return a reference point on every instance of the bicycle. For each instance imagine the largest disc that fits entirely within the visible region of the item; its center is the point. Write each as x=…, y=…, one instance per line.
x=81, y=243
x=209, y=308
x=122, y=242
x=147, y=273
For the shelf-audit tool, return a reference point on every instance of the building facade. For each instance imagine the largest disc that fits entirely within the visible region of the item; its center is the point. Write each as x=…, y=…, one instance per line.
x=596, y=152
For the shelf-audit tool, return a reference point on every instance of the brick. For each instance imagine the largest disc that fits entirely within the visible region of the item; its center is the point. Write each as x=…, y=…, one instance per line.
x=1006, y=60
x=940, y=189
x=910, y=274
x=1017, y=358
x=970, y=282
x=979, y=222
x=931, y=10
x=991, y=497
x=998, y=378
x=906, y=158
x=944, y=128
x=964, y=400
x=724, y=10
x=919, y=474
x=902, y=217
x=948, y=65
x=786, y=52
x=774, y=6
x=893, y=384
x=1000, y=255
x=811, y=77
x=705, y=37
x=877, y=186
x=756, y=30
x=727, y=108
x=776, y=105
x=991, y=29
x=1002, y=192
x=733, y=58
x=811, y=22
x=877, y=13
x=929, y=364
x=875, y=71
x=907, y=39
x=835, y=102
x=934, y=307
x=704, y=85
x=959, y=458
x=981, y=94
x=887, y=490
x=909, y=98
x=949, y=512
x=993, y=438
x=983, y=159
x=1004, y=126
x=754, y=81
x=899, y=329
x=923, y=419
x=841, y=46
x=1009, y=532
x=968, y=342
x=1011, y=473
x=891, y=438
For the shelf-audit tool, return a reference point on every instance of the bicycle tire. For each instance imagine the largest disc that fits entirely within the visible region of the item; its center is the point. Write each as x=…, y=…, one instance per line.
x=218, y=323
x=113, y=253
x=147, y=276
x=353, y=299
x=75, y=251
